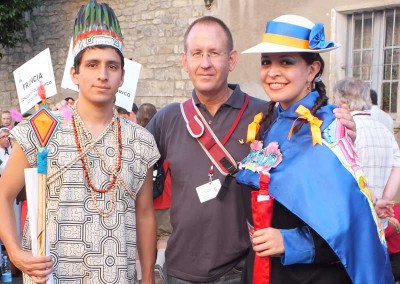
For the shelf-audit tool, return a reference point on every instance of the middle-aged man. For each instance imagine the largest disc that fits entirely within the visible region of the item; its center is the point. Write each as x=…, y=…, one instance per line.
x=6, y=119
x=99, y=174
x=209, y=240
x=5, y=148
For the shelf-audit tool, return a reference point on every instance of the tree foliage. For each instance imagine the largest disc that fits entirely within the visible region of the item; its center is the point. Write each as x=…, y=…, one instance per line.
x=12, y=21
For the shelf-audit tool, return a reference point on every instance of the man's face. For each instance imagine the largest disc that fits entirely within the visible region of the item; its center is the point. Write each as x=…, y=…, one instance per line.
x=4, y=141
x=100, y=75
x=207, y=59
x=6, y=119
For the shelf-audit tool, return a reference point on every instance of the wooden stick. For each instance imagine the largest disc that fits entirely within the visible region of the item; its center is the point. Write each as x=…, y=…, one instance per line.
x=42, y=184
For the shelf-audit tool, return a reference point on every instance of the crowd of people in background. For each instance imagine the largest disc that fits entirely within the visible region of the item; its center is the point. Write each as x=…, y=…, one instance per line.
x=205, y=214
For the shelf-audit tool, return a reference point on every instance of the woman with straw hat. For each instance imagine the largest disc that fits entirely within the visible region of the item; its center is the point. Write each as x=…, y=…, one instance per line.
x=324, y=228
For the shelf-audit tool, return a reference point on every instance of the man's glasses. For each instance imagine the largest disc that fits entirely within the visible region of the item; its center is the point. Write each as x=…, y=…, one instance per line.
x=3, y=136
x=212, y=55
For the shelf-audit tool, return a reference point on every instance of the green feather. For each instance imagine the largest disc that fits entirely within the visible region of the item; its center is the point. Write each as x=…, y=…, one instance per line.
x=87, y=14
x=106, y=18
x=92, y=14
x=98, y=15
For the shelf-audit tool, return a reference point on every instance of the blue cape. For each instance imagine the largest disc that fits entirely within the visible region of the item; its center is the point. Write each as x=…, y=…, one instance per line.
x=312, y=183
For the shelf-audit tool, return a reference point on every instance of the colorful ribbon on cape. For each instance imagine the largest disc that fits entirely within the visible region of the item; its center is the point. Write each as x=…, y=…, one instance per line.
x=254, y=127
x=314, y=122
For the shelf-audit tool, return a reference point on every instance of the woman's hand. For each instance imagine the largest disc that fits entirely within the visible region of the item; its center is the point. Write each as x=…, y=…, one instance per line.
x=343, y=114
x=384, y=208
x=267, y=242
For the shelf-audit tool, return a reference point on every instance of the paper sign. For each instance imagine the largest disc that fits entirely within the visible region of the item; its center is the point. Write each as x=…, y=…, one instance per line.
x=29, y=76
x=126, y=93
x=66, y=82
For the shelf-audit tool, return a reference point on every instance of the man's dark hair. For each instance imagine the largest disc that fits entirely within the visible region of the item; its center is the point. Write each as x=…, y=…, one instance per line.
x=69, y=98
x=374, y=97
x=78, y=57
x=135, y=108
x=145, y=114
x=210, y=20
x=121, y=110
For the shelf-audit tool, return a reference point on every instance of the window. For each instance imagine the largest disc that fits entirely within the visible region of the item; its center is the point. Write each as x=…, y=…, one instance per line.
x=374, y=53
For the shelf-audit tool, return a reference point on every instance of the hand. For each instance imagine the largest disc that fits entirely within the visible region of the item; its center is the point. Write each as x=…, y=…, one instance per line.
x=384, y=208
x=344, y=116
x=37, y=267
x=59, y=105
x=267, y=242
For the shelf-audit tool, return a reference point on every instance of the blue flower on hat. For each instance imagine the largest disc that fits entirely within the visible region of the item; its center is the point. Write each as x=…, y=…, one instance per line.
x=317, y=38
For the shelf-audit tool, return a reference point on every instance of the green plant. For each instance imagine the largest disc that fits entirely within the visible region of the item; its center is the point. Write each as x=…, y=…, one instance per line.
x=12, y=21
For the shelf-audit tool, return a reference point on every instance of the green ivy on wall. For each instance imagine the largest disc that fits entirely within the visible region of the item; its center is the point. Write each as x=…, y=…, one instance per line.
x=12, y=21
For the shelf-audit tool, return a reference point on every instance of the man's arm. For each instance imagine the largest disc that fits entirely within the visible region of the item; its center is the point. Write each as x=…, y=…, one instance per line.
x=146, y=228
x=11, y=182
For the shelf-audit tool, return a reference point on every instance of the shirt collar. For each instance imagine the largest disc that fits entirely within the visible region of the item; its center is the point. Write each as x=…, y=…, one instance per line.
x=234, y=101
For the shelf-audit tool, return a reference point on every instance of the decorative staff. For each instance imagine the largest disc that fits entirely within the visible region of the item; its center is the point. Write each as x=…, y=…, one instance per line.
x=44, y=125
x=259, y=162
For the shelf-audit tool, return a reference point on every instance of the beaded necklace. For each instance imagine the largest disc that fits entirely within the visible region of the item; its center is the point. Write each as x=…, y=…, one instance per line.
x=83, y=140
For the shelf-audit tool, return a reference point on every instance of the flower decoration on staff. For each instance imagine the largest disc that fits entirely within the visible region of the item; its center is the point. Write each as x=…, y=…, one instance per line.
x=260, y=159
x=317, y=38
x=44, y=124
x=315, y=124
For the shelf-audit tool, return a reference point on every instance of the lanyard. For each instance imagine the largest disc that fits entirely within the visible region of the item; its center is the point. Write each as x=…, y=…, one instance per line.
x=231, y=130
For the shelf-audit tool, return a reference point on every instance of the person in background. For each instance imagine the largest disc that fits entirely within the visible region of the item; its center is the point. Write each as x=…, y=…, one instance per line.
x=378, y=114
x=70, y=101
x=376, y=146
x=131, y=115
x=145, y=113
x=161, y=203
x=392, y=235
x=5, y=148
x=5, y=152
x=321, y=205
x=6, y=120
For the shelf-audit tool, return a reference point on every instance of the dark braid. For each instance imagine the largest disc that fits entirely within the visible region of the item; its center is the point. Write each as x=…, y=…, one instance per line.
x=319, y=86
x=267, y=119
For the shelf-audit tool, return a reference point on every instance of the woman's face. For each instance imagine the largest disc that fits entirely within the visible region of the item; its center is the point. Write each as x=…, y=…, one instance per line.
x=286, y=76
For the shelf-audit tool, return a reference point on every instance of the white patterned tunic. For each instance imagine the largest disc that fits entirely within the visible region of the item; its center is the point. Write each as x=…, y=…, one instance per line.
x=86, y=247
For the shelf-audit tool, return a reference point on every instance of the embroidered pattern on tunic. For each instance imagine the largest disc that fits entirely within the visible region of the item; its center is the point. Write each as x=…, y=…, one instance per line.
x=86, y=247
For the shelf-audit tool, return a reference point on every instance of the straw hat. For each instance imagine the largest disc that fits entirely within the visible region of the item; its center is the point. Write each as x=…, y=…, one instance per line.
x=96, y=24
x=291, y=33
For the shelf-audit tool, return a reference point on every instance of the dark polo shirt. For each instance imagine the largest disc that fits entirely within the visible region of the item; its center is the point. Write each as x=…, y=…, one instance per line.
x=208, y=239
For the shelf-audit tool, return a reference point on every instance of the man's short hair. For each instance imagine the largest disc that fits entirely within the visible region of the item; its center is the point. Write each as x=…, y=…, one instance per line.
x=374, y=97
x=135, y=108
x=145, y=114
x=121, y=110
x=207, y=20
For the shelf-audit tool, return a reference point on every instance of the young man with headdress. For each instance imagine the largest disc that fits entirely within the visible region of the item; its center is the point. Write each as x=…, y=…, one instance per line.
x=99, y=174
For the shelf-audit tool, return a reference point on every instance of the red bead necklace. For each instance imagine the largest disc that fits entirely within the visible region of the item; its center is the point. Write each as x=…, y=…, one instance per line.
x=85, y=168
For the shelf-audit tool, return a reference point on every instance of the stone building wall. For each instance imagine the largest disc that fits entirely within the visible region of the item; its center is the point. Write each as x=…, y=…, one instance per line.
x=153, y=36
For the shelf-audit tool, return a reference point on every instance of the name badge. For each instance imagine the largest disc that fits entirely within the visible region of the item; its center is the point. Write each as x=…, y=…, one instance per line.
x=209, y=190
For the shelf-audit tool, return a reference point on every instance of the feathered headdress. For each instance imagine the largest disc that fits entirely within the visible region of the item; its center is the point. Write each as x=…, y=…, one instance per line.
x=96, y=24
